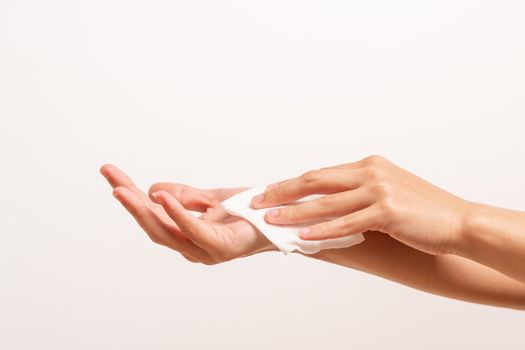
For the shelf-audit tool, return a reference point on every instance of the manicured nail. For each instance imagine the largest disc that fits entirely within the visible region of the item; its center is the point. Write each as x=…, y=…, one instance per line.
x=304, y=232
x=156, y=195
x=258, y=199
x=116, y=195
x=273, y=213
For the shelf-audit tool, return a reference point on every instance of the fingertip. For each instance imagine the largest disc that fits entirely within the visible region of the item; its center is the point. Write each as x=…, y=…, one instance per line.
x=165, y=199
x=156, y=187
x=118, y=192
x=257, y=201
x=271, y=215
x=267, y=218
x=305, y=233
x=104, y=171
x=114, y=175
x=155, y=196
x=160, y=197
x=106, y=168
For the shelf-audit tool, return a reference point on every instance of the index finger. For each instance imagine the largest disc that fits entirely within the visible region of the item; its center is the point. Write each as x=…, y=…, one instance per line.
x=323, y=181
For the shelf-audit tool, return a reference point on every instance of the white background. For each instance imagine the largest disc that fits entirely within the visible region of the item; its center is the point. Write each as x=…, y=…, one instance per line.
x=227, y=93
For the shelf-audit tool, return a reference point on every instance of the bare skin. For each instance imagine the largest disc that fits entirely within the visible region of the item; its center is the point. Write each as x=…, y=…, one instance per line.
x=216, y=237
x=164, y=215
x=376, y=195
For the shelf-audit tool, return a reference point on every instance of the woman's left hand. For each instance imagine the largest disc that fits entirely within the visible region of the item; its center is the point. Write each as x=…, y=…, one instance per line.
x=212, y=238
x=370, y=195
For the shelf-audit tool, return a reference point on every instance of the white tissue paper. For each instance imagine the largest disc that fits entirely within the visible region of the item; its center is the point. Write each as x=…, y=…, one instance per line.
x=286, y=238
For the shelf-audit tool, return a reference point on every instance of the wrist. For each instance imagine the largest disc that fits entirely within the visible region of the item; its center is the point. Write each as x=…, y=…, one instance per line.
x=264, y=244
x=470, y=220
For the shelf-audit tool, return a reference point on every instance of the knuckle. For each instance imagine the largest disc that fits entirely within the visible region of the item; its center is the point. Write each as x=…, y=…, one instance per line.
x=326, y=201
x=275, y=194
x=180, y=190
x=323, y=230
x=381, y=189
x=387, y=207
x=190, y=259
x=374, y=173
x=310, y=176
x=139, y=213
x=346, y=221
x=374, y=159
x=219, y=257
x=155, y=239
x=136, y=214
x=288, y=213
x=209, y=261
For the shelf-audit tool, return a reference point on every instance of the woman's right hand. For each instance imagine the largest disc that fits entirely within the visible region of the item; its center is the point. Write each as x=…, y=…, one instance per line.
x=373, y=194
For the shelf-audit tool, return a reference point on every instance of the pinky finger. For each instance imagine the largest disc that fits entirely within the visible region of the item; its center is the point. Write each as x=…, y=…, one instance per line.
x=357, y=222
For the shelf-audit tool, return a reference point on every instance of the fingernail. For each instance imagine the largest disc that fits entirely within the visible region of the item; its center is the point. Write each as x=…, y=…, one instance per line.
x=304, y=232
x=258, y=199
x=273, y=213
x=155, y=195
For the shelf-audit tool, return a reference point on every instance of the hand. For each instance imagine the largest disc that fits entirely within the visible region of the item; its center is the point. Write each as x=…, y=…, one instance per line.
x=212, y=238
x=370, y=195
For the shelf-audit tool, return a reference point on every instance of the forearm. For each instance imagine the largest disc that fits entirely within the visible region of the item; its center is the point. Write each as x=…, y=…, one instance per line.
x=495, y=237
x=446, y=275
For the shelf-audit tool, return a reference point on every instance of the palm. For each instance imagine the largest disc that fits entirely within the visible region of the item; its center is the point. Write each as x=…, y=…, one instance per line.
x=230, y=234
x=214, y=237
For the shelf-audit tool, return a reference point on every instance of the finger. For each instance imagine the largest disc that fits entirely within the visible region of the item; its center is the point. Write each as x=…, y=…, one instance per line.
x=158, y=231
x=357, y=222
x=192, y=227
x=275, y=184
x=329, y=206
x=313, y=182
x=194, y=198
x=117, y=177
